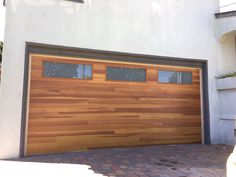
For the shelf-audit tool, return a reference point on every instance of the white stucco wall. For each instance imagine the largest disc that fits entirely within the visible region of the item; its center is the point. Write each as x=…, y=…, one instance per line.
x=227, y=87
x=227, y=62
x=2, y=20
x=227, y=5
x=227, y=94
x=224, y=26
x=183, y=28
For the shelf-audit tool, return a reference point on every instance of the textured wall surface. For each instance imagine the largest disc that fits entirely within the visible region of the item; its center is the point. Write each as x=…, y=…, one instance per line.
x=183, y=28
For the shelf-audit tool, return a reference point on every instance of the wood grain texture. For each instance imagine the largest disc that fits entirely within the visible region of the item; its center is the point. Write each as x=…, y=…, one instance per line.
x=70, y=114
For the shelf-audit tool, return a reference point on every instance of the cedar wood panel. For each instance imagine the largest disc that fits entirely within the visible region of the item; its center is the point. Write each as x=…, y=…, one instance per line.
x=67, y=115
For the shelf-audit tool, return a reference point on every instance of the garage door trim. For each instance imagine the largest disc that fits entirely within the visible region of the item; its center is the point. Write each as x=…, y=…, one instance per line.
x=44, y=49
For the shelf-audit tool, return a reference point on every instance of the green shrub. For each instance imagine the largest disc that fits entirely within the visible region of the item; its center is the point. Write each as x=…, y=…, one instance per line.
x=232, y=74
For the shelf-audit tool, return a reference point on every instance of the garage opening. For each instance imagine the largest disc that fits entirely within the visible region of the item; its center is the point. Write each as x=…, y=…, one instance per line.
x=80, y=103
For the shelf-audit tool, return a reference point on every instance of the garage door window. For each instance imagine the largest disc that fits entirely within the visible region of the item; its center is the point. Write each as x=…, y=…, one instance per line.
x=66, y=70
x=175, y=77
x=126, y=74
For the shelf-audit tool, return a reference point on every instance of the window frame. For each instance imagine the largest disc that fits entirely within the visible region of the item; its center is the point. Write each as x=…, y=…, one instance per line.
x=66, y=62
x=177, y=71
x=128, y=67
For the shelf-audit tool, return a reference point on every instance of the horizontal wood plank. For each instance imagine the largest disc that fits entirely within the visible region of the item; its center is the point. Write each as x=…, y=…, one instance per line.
x=70, y=114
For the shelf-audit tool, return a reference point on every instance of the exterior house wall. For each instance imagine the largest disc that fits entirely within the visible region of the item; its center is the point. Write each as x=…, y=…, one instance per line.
x=227, y=90
x=225, y=26
x=227, y=87
x=227, y=62
x=185, y=29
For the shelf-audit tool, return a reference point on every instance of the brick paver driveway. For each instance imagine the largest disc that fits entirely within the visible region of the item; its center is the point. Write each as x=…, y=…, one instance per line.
x=162, y=161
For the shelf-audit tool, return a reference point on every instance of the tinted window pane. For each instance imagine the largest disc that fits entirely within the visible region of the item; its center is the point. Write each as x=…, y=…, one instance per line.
x=87, y=71
x=186, y=78
x=175, y=77
x=66, y=70
x=167, y=76
x=79, y=71
x=126, y=74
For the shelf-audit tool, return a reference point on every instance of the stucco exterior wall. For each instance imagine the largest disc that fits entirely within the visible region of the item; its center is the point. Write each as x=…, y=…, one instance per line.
x=225, y=26
x=227, y=62
x=227, y=87
x=227, y=92
x=185, y=29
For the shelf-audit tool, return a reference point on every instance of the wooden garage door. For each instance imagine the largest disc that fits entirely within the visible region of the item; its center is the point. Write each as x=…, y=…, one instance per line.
x=79, y=104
